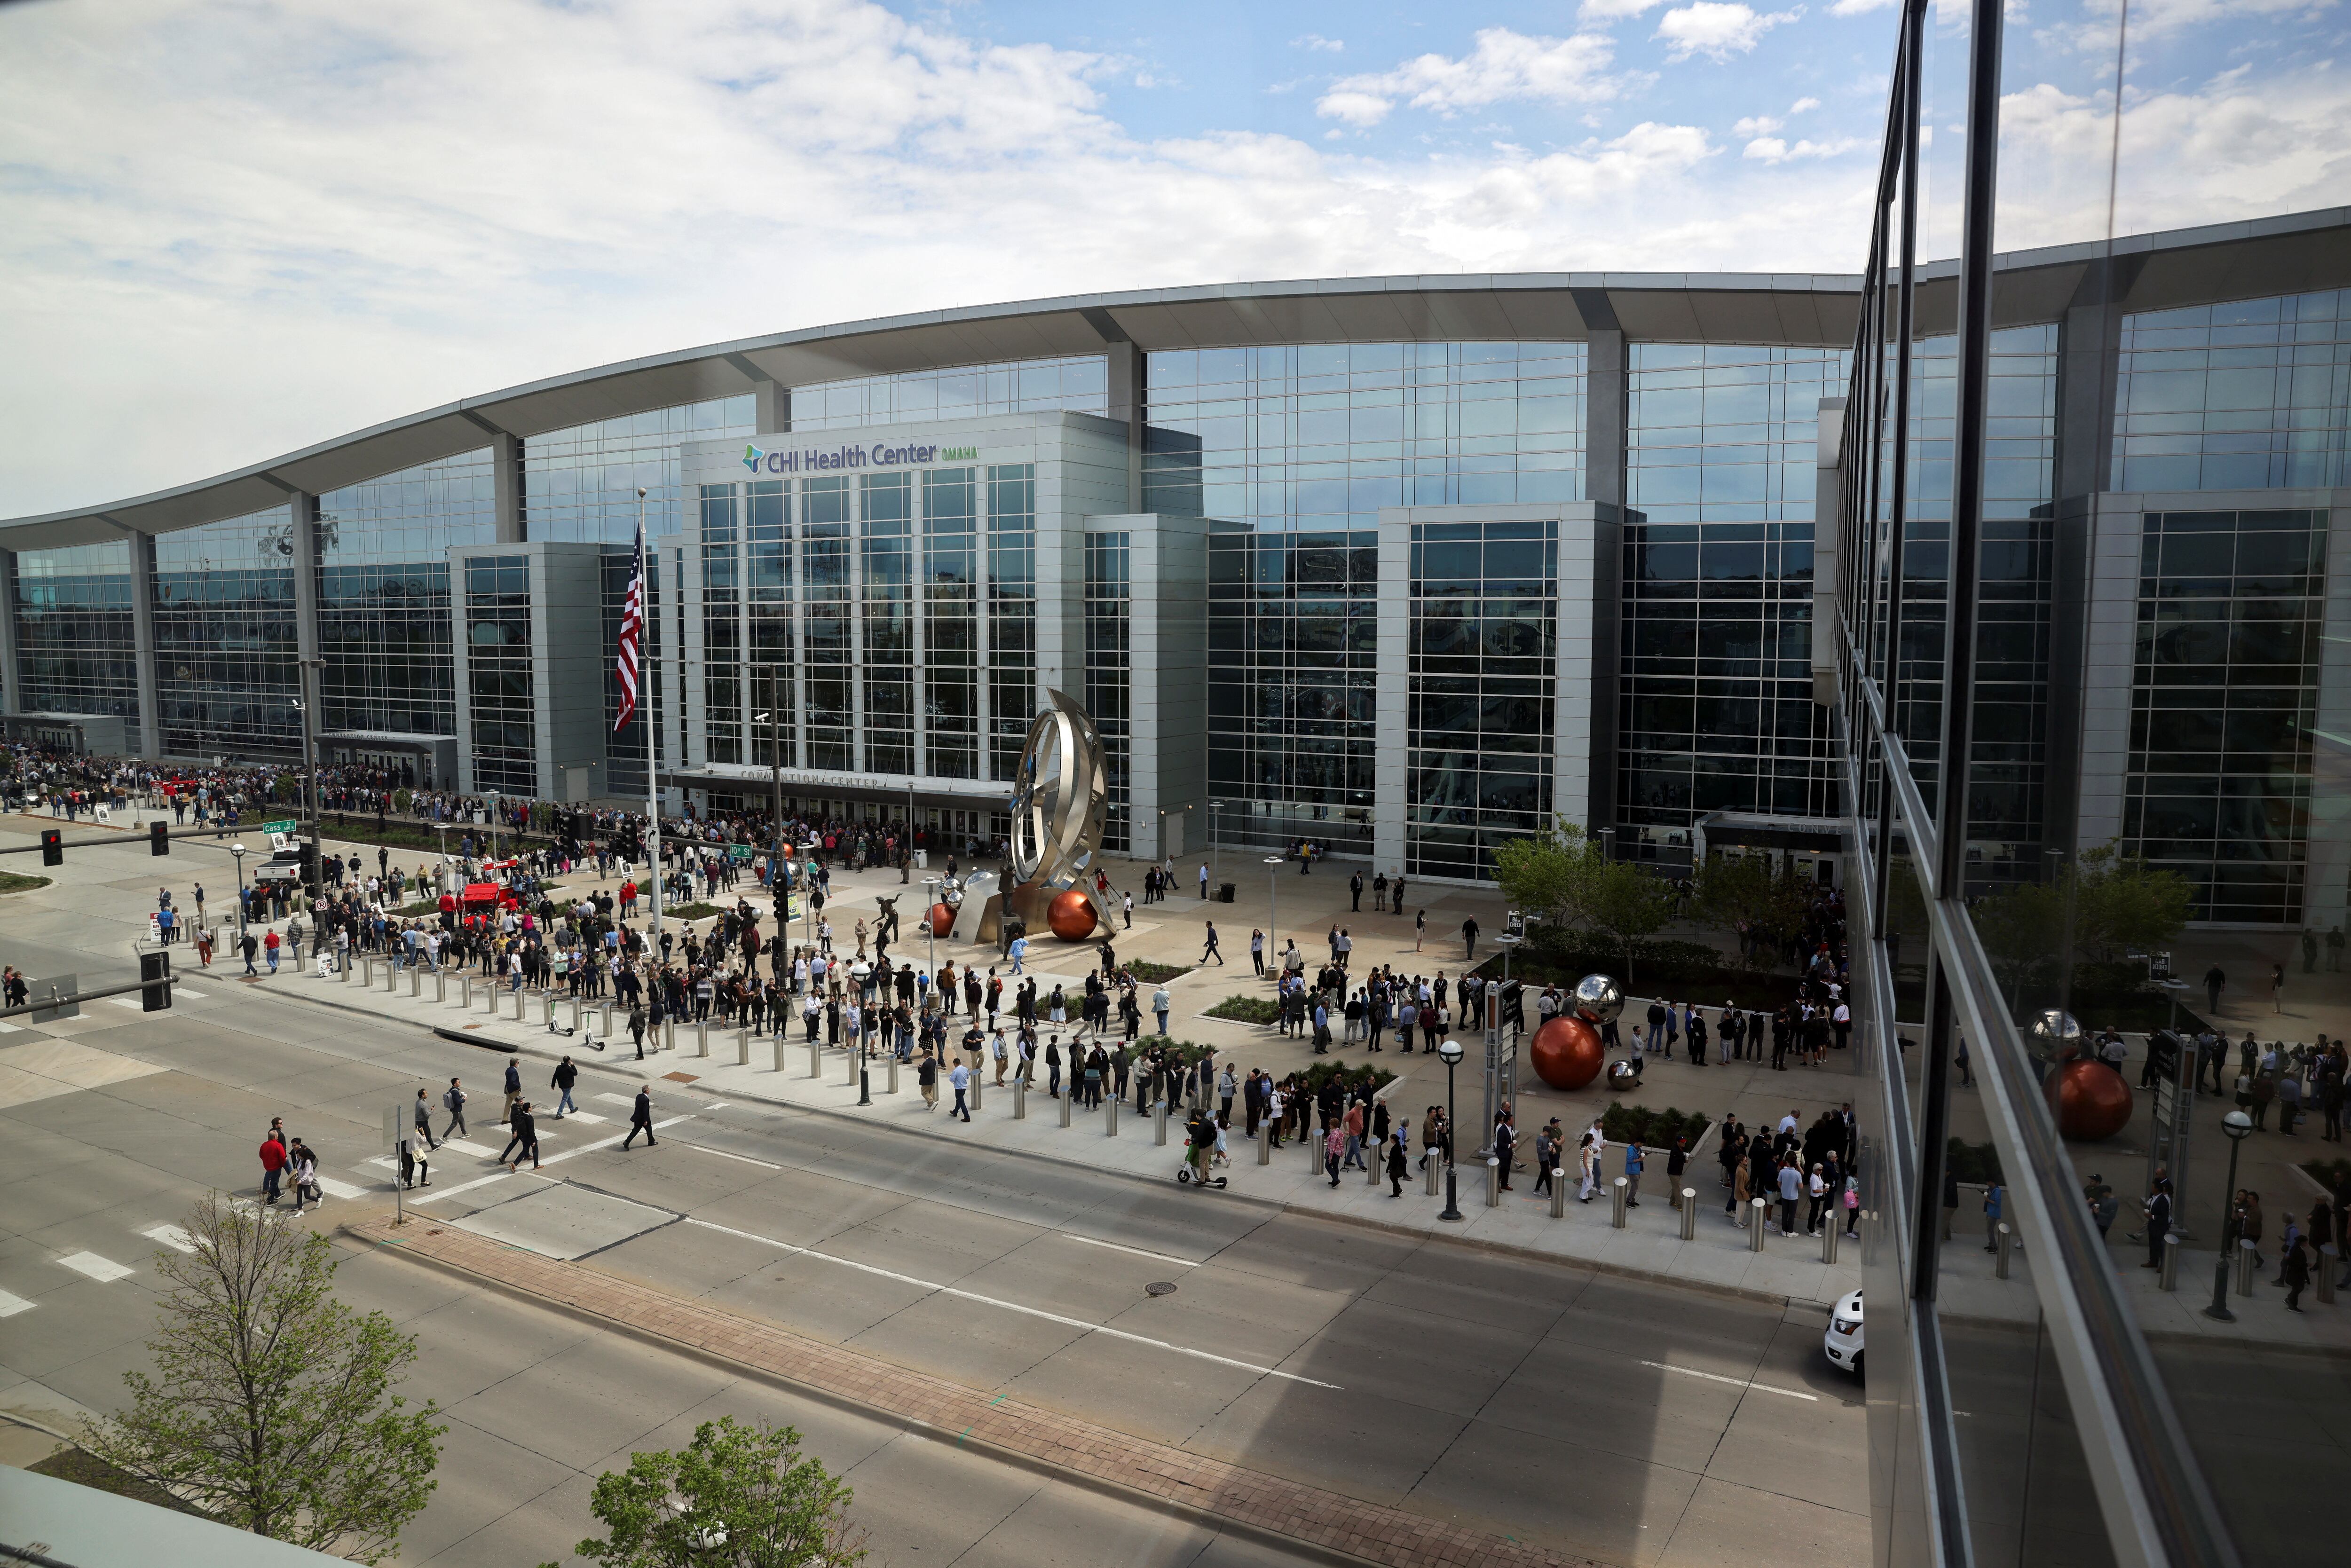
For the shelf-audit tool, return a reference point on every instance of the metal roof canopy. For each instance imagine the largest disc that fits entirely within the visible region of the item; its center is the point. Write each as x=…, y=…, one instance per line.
x=2288, y=253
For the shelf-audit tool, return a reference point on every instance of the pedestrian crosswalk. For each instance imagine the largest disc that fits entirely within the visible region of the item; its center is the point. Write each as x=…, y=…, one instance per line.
x=171, y=1236
x=105, y=1270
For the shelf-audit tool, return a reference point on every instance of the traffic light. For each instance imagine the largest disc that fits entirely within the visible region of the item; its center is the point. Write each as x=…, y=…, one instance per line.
x=53, y=847
x=158, y=837
x=308, y=849
x=155, y=966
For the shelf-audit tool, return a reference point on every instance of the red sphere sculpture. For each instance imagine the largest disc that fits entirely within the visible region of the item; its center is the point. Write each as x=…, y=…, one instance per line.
x=2091, y=1100
x=942, y=918
x=1566, y=1053
x=1072, y=914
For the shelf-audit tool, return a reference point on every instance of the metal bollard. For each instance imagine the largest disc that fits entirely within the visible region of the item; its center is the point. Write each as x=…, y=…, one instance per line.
x=415, y=981
x=1493, y=1182
x=1689, y=1214
x=977, y=1085
x=1829, y=1234
x=440, y=986
x=1069, y=1100
x=1371, y=1162
x=546, y=1006
x=852, y=1059
x=1433, y=1169
x=1265, y=1141
x=2000, y=1240
x=343, y=964
x=778, y=1043
x=466, y=993
x=742, y=1048
x=1110, y=1116
x=1020, y=1100
x=2168, y=1277
x=391, y=976
x=1558, y=1193
x=890, y=1079
x=669, y=1034
x=575, y=1015
x=816, y=1060
x=2246, y=1253
x=2328, y=1257
x=607, y=1032
x=1159, y=1122
x=517, y=1007
x=1758, y=1214
x=1619, y=1190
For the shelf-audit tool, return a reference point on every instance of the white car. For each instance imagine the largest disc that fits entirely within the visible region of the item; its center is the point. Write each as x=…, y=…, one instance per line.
x=1843, y=1342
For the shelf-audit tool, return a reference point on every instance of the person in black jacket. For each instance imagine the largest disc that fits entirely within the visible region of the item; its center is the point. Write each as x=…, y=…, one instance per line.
x=2159, y=1222
x=525, y=1140
x=566, y=1075
x=641, y=1119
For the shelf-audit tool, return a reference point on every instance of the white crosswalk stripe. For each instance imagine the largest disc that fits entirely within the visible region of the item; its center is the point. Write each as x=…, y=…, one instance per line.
x=342, y=1189
x=105, y=1270
x=171, y=1236
x=11, y=1305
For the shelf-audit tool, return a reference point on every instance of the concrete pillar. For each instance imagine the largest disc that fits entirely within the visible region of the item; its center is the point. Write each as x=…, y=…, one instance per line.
x=1127, y=396
x=2089, y=360
x=143, y=641
x=12, y=688
x=1607, y=391
x=510, y=505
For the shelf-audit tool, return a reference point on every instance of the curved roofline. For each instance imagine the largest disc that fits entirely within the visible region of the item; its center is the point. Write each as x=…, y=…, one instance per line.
x=2279, y=254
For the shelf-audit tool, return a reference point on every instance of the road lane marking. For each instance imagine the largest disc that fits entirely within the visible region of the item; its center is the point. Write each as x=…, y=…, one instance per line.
x=1080, y=1323
x=1734, y=1382
x=341, y=1189
x=589, y=1117
x=724, y=1154
x=556, y=1158
x=103, y=1270
x=171, y=1236
x=11, y=1305
x=463, y=1147
x=1097, y=1241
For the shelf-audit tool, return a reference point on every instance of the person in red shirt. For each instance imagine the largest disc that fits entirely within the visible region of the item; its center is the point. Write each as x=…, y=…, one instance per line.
x=273, y=1161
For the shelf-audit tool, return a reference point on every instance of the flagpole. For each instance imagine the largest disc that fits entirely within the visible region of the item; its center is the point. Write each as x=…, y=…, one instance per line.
x=645, y=702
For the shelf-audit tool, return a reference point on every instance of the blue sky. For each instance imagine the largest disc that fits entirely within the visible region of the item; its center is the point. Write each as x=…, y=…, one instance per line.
x=238, y=227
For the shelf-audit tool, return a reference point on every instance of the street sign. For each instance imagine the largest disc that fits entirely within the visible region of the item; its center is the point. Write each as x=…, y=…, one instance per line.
x=740, y=853
x=280, y=827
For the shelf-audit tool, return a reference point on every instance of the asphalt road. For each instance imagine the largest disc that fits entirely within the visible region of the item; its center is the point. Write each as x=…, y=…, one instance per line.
x=1634, y=1423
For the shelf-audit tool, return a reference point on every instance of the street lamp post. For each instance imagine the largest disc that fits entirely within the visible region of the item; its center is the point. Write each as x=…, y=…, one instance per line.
x=1449, y=1052
x=238, y=850
x=308, y=704
x=1216, y=862
x=1273, y=909
x=930, y=931
x=2238, y=1126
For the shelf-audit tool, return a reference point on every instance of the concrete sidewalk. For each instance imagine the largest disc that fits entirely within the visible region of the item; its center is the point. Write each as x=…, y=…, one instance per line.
x=1787, y=1270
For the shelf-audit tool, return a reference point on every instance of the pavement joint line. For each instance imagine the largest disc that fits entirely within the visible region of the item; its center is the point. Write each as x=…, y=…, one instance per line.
x=1081, y=1324
x=1225, y=1497
x=1116, y=1247
x=1734, y=1382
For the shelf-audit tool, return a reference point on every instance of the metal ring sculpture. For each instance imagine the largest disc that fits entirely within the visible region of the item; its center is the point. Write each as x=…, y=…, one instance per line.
x=1061, y=796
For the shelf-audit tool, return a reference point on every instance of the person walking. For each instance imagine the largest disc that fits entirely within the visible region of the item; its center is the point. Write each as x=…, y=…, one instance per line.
x=960, y=1079
x=452, y=1099
x=525, y=1140
x=1995, y=1196
x=273, y=1165
x=566, y=1075
x=1636, y=1162
x=1792, y=1187
x=423, y=1117
x=1468, y=938
x=637, y=1027
x=2216, y=980
x=2294, y=1273
x=1334, y=1150
x=1208, y=951
x=514, y=1092
x=640, y=1118
x=1398, y=1163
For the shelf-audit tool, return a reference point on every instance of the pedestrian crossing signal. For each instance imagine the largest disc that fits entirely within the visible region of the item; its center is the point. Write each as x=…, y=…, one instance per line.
x=53, y=848
x=158, y=837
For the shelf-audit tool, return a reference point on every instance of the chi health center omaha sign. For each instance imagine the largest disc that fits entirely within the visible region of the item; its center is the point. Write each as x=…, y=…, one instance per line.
x=831, y=459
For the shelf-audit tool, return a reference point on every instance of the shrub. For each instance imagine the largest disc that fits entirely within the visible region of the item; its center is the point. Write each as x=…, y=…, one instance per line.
x=1151, y=974
x=1974, y=1162
x=1651, y=1129
x=1349, y=1078
x=1247, y=1010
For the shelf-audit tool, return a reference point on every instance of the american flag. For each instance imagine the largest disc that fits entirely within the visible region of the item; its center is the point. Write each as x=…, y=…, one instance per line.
x=632, y=629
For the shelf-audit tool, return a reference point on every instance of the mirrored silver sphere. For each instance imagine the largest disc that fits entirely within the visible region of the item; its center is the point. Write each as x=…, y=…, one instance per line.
x=1598, y=998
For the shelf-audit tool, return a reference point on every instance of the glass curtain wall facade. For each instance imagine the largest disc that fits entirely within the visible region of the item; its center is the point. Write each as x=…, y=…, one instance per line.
x=225, y=638
x=1011, y=614
x=383, y=594
x=75, y=645
x=2087, y=1404
x=1110, y=556
x=1302, y=445
x=1481, y=686
x=950, y=610
x=499, y=661
x=1077, y=383
x=1716, y=698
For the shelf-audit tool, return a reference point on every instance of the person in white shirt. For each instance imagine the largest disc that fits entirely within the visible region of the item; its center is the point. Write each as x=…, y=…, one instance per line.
x=961, y=1079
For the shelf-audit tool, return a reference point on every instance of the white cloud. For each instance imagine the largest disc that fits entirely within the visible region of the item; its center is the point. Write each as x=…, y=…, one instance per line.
x=1776, y=149
x=1317, y=42
x=2153, y=19
x=1755, y=125
x=1804, y=106
x=1718, y=30
x=1503, y=65
x=1858, y=7
x=1613, y=10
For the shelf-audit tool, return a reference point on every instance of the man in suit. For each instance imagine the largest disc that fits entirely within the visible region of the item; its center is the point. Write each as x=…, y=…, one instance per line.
x=2159, y=1222
x=641, y=1119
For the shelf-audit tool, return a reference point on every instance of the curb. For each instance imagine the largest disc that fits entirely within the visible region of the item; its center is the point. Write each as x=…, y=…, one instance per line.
x=1272, y=1205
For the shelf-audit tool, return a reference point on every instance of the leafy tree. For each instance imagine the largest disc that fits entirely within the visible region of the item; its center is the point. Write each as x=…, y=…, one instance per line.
x=1741, y=893
x=271, y=1408
x=736, y=1497
x=2116, y=906
x=1569, y=880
